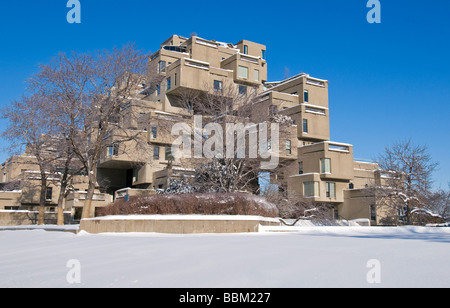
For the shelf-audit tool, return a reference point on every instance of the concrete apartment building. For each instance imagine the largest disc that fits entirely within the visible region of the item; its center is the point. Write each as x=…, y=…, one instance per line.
x=317, y=168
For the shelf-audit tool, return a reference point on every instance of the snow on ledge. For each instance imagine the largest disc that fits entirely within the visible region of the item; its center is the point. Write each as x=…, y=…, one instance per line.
x=185, y=217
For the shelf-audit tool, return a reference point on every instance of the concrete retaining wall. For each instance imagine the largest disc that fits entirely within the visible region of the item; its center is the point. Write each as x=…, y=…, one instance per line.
x=26, y=218
x=178, y=224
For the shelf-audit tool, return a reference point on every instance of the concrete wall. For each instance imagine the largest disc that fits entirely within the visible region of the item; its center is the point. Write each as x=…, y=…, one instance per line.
x=177, y=224
x=25, y=218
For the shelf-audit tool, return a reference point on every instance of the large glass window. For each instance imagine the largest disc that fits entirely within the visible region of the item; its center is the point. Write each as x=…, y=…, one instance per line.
x=325, y=165
x=331, y=190
x=243, y=72
x=256, y=75
x=242, y=90
x=161, y=66
x=168, y=154
x=156, y=153
x=311, y=189
x=288, y=147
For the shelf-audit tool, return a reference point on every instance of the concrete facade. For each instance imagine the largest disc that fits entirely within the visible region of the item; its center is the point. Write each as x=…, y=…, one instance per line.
x=177, y=224
x=318, y=168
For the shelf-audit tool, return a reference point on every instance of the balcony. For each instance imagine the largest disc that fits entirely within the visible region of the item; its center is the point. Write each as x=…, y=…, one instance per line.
x=332, y=160
x=246, y=69
x=193, y=75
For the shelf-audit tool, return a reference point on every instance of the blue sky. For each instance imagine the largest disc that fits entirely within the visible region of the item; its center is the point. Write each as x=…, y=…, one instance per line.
x=388, y=82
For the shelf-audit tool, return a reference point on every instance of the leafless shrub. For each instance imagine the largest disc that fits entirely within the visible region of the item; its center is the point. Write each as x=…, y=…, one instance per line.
x=203, y=204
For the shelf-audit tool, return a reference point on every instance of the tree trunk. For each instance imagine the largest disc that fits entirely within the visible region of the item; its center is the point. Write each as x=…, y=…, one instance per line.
x=62, y=193
x=88, y=211
x=60, y=209
x=42, y=197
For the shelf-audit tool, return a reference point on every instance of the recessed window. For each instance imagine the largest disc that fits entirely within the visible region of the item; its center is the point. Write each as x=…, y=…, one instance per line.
x=154, y=132
x=373, y=212
x=48, y=194
x=306, y=96
x=169, y=83
x=245, y=49
x=161, y=66
x=325, y=165
x=300, y=167
x=218, y=86
x=168, y=154
x=305, y=125
x=311, y=189
x=263, y=54
x=331, y=190
x=156, y=153
x=243, y=72
x=256, y=75
x=113, y=150
x=288, y=147
x=242, y=90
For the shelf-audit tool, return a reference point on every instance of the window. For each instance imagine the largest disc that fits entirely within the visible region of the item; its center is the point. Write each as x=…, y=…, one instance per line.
x=156, y=153
x=242, y=90
x=273, y=109
x=48, y=194
x=373, y=212
x=300, y=167
x=256, y=75
x=161, y=66
x=113, y=150
x=263, y=54
x=158, y=89
x=306, y=96
x=311, y=189
x=245, y=50
x=243, y=72
x=325, y=165
x=288, y=147
x=331, y=190
x=135, y=175
x=218, y=85
x=175, y=79
x=154, y=132
x=169, y=83
x=305, y=125
x=168, y=154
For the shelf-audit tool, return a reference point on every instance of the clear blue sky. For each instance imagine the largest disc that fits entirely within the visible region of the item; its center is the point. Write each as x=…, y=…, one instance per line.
x=388, y=82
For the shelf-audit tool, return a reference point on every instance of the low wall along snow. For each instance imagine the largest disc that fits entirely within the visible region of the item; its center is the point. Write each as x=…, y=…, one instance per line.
x=177, y=224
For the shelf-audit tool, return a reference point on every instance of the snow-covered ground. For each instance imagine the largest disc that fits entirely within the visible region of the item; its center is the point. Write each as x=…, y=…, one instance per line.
x=309, y=257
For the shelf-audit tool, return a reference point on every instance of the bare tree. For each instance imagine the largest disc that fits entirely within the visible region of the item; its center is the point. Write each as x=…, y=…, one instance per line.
x=64, y=82
x=114, y=79
x=28, y=129
x=231, y=109
x=439, y=203
x=408, y=169
x=88, y=95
